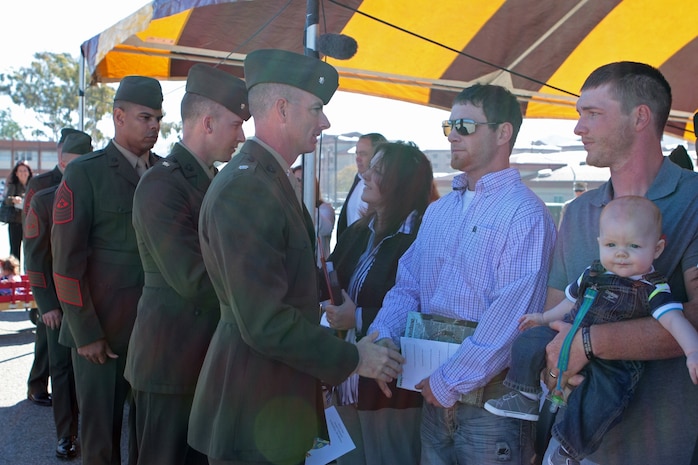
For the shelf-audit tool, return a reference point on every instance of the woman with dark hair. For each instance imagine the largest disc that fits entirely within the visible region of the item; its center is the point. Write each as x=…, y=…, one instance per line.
x=15, y=188
x=398, y=189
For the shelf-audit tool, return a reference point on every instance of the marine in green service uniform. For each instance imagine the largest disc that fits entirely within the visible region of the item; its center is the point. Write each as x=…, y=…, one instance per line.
x=178, y=310
x=37, y=383
x=96, y=266
x=39, y=265
x=258, y=398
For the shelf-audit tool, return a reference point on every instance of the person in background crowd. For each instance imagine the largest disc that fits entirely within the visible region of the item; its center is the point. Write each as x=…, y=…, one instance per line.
x=96, y=267
x=37, y=383
x=481, y=257
x=623, y=110
x=680, y=156
x=323, y=217
x=179, y=310
x=10, y=272
x=578, y=188
x=353, y=206
x=15, y=189
x=37, y=248
x=385, y=430
x=259, y=397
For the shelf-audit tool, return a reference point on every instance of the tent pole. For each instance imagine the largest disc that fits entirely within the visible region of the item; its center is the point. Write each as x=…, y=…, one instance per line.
x=81, y=92
x=308, y=160
x=312, y=31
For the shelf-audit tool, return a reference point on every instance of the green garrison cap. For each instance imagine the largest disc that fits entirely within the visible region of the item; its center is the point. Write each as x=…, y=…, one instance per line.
x=78, y=143
x=65, y=132
x=141, y=90
x=284, y=67
x=219, y=86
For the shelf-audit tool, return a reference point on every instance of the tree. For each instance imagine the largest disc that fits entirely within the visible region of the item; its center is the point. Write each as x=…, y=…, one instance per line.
x=9, y=129
x=168, y=128
x=49, y=87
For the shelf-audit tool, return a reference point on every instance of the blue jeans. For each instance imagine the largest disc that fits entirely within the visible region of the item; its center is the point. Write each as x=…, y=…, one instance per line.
x=469, y=435
x=593, y=408
x=528, y=359
x=596, y=405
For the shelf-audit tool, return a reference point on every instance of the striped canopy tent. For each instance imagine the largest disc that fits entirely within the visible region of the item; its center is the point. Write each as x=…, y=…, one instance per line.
x=422, y=52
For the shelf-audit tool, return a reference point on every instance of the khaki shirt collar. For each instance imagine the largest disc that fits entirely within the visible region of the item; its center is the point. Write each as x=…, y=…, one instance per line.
x=132, y=157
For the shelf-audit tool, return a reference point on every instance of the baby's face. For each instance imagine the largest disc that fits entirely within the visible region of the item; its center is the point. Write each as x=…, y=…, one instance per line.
x=625, y=249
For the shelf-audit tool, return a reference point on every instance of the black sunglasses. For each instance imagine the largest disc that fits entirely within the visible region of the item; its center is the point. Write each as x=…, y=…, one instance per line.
x=462, y=126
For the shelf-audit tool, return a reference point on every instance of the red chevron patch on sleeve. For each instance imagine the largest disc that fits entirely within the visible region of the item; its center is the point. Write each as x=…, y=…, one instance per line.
x=68, y=290
x=31, y=224
x=28, y=200
x=63, y=205
x=36, y=279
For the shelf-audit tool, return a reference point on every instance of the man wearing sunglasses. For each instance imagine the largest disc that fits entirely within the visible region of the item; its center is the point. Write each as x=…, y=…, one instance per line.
x=481, y=256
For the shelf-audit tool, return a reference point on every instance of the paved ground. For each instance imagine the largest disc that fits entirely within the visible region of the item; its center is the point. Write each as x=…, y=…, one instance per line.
x=28, y=434
x=27, y=431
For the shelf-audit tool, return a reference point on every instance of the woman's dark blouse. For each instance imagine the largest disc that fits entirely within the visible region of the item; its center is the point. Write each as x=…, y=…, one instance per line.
x=380, y=278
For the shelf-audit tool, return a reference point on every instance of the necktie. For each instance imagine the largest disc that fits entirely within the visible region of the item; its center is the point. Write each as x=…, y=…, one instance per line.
x=296, y=185
x=140, y=167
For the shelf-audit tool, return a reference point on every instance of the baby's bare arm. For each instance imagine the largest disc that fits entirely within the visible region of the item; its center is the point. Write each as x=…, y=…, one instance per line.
x=539, y=319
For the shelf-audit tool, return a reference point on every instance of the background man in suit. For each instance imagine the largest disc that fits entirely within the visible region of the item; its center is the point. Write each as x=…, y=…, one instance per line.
x=96, y=267
x=179, y=310
x=353, y=206
x=258, y=398
x=37, y=256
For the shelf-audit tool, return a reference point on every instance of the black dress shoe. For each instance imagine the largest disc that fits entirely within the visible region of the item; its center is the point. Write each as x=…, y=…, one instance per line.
x=40, y=398
x=67, y=448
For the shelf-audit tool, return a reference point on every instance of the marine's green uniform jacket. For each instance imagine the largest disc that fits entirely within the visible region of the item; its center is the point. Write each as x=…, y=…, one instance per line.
x=259, y=396
x=178, y=310
x=37, y=238
x=96, y=267
x=37, y=249
x=40, y=182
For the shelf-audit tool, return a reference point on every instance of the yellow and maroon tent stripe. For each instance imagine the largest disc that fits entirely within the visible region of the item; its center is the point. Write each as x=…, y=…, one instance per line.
x=423, y=51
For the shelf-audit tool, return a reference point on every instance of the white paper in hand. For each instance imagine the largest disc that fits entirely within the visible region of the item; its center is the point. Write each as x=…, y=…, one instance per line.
x=340, y=441
x=422, y=357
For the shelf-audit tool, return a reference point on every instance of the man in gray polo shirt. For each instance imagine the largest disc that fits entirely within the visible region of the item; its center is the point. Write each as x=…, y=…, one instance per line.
x=623, y=109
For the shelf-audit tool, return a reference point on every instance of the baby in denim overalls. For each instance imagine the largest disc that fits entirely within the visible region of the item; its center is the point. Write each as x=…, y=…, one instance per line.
x=627, y=287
